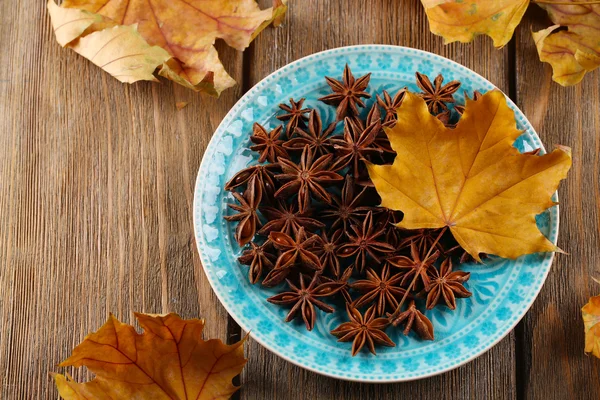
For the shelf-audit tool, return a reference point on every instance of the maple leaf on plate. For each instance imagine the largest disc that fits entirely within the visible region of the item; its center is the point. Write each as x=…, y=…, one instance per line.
x=572, y=52
x=591, y=319
x=183, y=31
x=168, y=361
x=470, y=179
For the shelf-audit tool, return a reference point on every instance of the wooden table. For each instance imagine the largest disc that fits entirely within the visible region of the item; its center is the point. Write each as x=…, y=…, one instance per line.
x=96, y=186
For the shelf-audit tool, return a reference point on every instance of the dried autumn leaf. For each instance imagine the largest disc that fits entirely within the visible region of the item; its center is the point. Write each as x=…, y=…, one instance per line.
x=575, y=51
x=70, y=24
x=184, y=31
x=168, y=361
x=572, y=52
x=591, y=319
x=464, y=20
x=122, y=52
x=470, y=179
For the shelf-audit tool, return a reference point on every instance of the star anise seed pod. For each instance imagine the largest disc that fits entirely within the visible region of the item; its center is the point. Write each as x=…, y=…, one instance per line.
x=390, y=106
x=304, y=299
x=306, y=178
x=259, y=258
x=347, y=94
x=287, y=219
x=357, y=144
x=247, y=212
x=268, y=144
x=446, y=284
x=264, y=174
x=365, y=242
x=294, y=114
x=315, y=138
x=363, y=330
x=346, y=209
x=300, y=250
x=460, y=109
x=328, y=247
x=414, y=319
x=415, y=264
x=381, y=289
x=343, y=282
x=445, y=117
x=435, y=95
x=423, y=238
x=381, y=141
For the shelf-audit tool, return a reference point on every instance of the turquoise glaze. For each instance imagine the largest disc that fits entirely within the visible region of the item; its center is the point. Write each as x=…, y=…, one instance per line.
x=503, y=290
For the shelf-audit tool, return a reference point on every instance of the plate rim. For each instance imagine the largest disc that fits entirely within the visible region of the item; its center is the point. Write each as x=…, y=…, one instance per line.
x=204, y=261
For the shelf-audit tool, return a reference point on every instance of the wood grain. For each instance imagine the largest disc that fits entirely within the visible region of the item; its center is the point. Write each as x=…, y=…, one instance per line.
x=553, y=363
x=96, y=198
x=96, y=191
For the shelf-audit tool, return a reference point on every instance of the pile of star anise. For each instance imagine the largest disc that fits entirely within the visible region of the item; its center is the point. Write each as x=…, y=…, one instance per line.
x=309, y=218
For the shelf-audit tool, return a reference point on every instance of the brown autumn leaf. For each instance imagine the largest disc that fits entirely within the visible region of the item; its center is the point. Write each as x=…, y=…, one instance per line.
x=177, y=38
x=591, y=319
x=168, y=361
x=572, y=52
x=470, y=179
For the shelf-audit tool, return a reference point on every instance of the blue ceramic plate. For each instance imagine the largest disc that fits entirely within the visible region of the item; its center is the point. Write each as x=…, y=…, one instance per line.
x=503, y=290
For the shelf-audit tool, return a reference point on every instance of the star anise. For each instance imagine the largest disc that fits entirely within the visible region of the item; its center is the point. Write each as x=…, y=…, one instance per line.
x=287, y=219
x=300, y=249
x=365, y=241
x=328, y=246
x=390, y=106
x=435, y=95
x=363, y=330
x=356, y=145
x=422, y=238
x=306, y=178
x=259, y=258
x=294, y=114
x=457, y=252
x=415, y=264
x=263, y=173
x=315, y=138
x=381, y=289
x=445, y=117
x=247, y=212
x=268, y=144
x=381, y=141
x=346, y=209
x=343, y=282
x=446, y=284
x=415, y=320
x=461, y=109
x=347, y=94
x=305, y=298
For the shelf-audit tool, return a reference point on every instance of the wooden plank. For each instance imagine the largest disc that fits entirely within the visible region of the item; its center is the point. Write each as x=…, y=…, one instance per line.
x=554, y=365
x=96, y=190
x=315, y=25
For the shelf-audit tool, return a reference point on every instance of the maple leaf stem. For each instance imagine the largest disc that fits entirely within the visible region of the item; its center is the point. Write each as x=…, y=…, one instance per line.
x=566, y=3
x=417, y=274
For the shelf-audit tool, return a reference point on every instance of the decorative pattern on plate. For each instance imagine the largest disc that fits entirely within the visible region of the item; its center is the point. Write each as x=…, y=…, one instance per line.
x=503, y=290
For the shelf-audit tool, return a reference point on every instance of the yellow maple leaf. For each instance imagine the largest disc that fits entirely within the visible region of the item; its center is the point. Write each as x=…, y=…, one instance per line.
x=470, y=179
x=464, y=20
x=185, y=31
x=575, y=51
x=591, y=319
x=168, y=361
